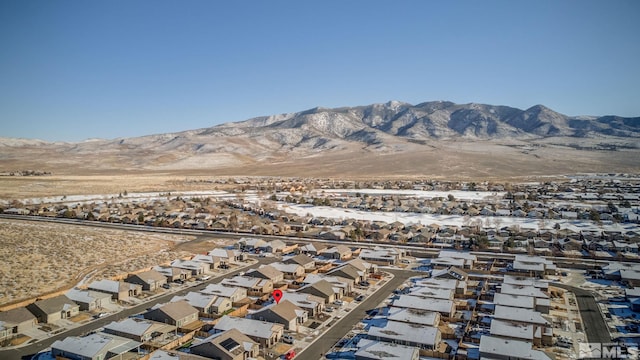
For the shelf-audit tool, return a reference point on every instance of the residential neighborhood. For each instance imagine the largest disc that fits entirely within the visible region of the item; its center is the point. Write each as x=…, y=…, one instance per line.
x=496, y=274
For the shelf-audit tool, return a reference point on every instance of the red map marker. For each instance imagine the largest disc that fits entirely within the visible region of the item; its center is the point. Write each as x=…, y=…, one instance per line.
x=277, y=295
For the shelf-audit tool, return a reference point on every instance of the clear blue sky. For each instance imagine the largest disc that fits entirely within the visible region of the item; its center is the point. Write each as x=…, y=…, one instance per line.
x=71, y=70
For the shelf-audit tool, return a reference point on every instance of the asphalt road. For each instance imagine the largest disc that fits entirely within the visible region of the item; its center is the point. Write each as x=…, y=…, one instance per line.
x=594, y=324
x=339, y=329
x=27, y=352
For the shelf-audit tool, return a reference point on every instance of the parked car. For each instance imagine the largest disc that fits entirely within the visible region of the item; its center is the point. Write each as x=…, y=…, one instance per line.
x=329, y=309
x=360, y=298
x=288, y=339
x=290, y=354
x=364, y=283
x=166, y=286
x=338, y=302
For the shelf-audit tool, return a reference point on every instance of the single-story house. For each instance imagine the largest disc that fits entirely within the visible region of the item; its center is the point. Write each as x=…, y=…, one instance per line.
x=227, y=345
x=178, y=313
x=89, y=300
x=119, y=290
x=150, y=280
x=54, y=309
x=265, y=333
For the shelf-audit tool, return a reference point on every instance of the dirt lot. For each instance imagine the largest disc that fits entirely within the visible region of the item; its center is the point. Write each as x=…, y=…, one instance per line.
x=37, y=258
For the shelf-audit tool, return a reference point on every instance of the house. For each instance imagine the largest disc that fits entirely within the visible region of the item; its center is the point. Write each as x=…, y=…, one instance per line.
x=233, y=293
x=339, y=252
x=427, y=292
x=413, y=316
x=285, y=313
x=251, y=244
x=303, y=260
x=378, y=350
x=119, y=290
x=533, y=265
x=267, y=272
x=275, y=246
x=312, y=304
x=454, y=258
x=140, y=330
x=363, y=266
x=195, y=268
x=423, y=337
x=446, y=308
x=205, y=303
x=450, y=273
x=172, y=274
x=341, y=286
x=227, y=257
x=227, y=345
x=54, y=309
x=382, y=256
x=492, y=347
x=348, y=271
x=322, y=289
x=459, y=286
x=291, y=271
x=17, y=320
x=97, y=346
x=178, y=313
x=265, y=333
x=522, y=331
x=210, y=262
x=311, y=249
x=89, y=300
x=254, y=286
x=150, y=280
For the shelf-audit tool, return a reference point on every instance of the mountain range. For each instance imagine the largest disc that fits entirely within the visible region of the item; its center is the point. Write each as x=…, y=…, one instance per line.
x=373, y=130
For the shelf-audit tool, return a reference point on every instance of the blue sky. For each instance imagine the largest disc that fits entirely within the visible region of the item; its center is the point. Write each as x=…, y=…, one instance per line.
x=72, y=70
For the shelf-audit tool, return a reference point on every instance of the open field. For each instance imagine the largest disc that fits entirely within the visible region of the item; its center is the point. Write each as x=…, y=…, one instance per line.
x=38, y=258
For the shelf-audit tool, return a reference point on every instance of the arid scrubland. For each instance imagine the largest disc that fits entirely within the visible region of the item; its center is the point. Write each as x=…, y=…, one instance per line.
x=37, y=258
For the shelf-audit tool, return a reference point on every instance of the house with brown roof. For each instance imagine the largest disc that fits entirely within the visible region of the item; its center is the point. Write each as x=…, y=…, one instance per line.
x=285, y=313
x=178, y=313
x=312, y=249
x=322, y=289
x=348, y=271
x=267, y=272
x=54, y=309
x=150, y=280
x=227, y=345
x=339, y=252
x=267, y=334
x=205, y=303
x=307, y=262
x=17, y=320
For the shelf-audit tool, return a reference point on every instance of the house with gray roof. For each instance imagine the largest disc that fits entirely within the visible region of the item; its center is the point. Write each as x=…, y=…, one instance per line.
x=312, y=304
x=233, y=293
x=89, y=300
x=119, y=290
x=492, y=347
x=141, y=330
x=97, y=346
x=150, y=280
x=423, y=337
x=290, y=271
x=380, y=350
x=227, y=345
x=171, y=273
x=54, y=309
x=348, y=271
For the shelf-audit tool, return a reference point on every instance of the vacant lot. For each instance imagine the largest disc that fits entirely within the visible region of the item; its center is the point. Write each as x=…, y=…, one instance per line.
x=37, y=258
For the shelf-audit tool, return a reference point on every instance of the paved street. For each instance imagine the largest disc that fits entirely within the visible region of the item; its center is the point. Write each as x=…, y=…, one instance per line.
x=339, y=329
x=595, y=325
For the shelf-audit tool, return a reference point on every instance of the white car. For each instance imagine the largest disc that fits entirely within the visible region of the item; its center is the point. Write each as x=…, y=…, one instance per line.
x=329, y=309
x=288, y=339
x=338, y=302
